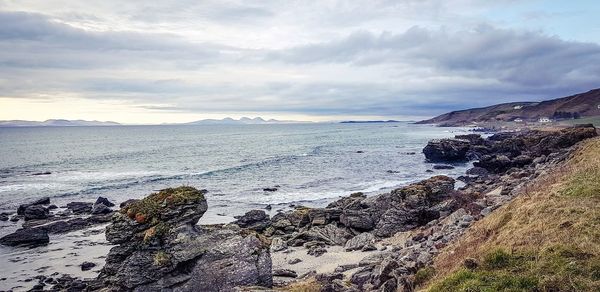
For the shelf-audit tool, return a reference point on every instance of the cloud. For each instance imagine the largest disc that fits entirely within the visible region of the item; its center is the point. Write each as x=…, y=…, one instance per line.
x=522, y=58
x=325, y=58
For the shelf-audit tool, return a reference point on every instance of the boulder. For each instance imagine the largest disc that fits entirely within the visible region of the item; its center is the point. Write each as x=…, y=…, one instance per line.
x=360, y=241
x=85, y=266
x=285, y=273
x=100, y=208
x=256, y=220
x=160, y=247
x=446, y=150
x=80, y=207
x=328, y=234
x=26, y=236
x=358, y=219
x=41, y=201
x=35, y=212
x=105, y=201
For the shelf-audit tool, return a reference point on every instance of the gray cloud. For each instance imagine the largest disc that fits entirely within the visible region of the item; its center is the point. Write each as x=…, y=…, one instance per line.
x=523, y=58
x=350, y=59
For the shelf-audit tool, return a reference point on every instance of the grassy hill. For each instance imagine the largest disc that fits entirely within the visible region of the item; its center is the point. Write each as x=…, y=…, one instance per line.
x=580, y=105
x=547, y=239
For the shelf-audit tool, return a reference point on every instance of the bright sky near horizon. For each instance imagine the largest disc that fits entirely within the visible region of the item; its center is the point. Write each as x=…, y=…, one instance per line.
x=178, y=61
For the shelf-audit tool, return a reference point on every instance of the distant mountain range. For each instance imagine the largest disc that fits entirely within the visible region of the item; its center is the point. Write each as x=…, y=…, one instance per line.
x=571, y=107
x=55, y=123
x=368, y=122
x=243, y=121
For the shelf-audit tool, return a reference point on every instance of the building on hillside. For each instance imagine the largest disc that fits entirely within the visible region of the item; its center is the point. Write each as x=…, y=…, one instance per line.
x=544, y=120
x=518, y=120
x=518, y=107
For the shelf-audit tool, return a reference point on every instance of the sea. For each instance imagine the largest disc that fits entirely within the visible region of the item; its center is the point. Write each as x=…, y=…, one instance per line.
x=307, y=164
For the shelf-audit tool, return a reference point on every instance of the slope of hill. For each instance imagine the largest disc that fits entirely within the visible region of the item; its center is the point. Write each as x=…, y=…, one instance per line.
x=580, y=105
x=547, y=239
x=55, y=123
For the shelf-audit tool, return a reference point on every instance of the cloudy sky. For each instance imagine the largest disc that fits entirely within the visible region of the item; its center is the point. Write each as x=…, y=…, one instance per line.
x=176, y=61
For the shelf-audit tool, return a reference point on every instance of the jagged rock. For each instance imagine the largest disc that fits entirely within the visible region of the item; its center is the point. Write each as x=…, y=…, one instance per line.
x=359, y=241
x=3, y=217
x=278, y=244
x=361, y=277
x=285, y=273
x=26, y=236
x=85, y=266
x=294, y=261
x=161, y=248
x=316, y=251
x=368, y=247
x=75, y=224
x=256, y=220
x=80, y=207
x=34, y=212
x=105, y=201
x=443, y=166
x=446, y=150
x=478, y=171
x=357, y=219
x=383, y=271
x=494, y=163
x=100, y=208
x=41, y=201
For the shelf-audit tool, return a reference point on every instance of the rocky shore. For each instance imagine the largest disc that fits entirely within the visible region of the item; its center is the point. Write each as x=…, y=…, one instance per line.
x=356, y=243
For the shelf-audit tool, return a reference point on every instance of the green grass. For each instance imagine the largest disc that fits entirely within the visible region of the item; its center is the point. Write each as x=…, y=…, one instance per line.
x=583, y=183
x=559, y=268
x=150, y=208
x=423, y=275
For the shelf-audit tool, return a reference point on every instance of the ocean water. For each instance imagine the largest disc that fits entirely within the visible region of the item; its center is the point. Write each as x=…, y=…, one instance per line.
x=310, y=164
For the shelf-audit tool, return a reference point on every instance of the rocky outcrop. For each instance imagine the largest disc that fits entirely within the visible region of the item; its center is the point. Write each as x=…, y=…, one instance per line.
x=160, y=248
x=26, y=236
x=355, y=221
x=38, y=202
x=447, y=150
x=256, y=220
x=503, y=151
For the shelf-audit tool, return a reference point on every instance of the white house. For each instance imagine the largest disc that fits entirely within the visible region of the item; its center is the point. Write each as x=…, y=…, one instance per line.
x=518, y=120
x=544, y=120
x=518, y=107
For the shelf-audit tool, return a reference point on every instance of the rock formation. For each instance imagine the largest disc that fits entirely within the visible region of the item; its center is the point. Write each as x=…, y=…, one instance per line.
x=160, y=248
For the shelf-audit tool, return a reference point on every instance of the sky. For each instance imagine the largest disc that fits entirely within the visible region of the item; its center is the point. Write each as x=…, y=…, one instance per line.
x=147, y=62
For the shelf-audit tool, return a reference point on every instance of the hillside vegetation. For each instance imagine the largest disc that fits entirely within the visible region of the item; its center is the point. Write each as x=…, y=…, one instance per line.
x=575, y=106
x=547, y=239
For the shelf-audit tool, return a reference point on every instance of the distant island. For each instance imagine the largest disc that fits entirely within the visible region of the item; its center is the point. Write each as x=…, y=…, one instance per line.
x=242, y=121
x=368, y=122
x=571, y=107
x=55, y=123
x=84, y=123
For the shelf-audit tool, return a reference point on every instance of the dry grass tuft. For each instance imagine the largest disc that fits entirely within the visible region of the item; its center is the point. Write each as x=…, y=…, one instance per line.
x=551, y=231
x=309, y=285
